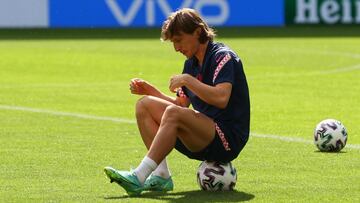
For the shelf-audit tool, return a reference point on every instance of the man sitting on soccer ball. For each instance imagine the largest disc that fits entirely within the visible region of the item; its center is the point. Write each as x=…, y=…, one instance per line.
x=213, y=81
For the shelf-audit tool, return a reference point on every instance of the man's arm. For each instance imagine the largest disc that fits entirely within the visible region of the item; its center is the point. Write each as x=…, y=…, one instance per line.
x=179, y=100
x=218, y=95
x=142, y=87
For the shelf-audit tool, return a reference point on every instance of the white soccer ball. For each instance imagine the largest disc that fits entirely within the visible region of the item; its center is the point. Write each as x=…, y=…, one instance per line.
x=330, y=135
x=214, y=176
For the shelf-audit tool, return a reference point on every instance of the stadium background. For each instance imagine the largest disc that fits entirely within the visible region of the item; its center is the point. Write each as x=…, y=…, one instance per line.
x=66, y=111
x=151, y=13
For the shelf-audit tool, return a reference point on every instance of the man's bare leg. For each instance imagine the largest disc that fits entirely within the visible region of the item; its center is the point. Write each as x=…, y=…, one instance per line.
x=149, y=111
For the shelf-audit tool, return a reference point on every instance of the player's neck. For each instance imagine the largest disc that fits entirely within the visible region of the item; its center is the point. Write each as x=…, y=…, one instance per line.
x=200, y=54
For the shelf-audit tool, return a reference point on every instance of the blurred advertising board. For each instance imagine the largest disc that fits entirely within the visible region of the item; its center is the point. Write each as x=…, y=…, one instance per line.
x=152, y=13
x=325, y=12
x=24, y=13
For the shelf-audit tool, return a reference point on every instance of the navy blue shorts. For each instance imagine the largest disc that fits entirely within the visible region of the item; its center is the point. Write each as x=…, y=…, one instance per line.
x=225, y=146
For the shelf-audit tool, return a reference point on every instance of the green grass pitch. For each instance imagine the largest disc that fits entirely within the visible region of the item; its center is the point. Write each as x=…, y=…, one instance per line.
x=66, y=112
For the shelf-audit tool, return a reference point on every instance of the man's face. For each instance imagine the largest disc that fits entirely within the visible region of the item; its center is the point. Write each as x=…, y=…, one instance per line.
x=187, y=44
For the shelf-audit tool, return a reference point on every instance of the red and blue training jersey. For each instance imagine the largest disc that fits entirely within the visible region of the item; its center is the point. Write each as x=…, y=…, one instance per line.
x=220, y=65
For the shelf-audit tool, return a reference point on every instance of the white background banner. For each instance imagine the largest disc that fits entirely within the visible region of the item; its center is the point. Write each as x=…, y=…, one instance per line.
x=24, y=13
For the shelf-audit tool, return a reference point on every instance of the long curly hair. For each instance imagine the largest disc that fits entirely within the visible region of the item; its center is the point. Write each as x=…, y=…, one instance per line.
x=186, y=20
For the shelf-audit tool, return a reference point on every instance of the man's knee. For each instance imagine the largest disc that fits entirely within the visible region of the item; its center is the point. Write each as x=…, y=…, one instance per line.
x=149, y=104
x=172, y=114
x=141, y=106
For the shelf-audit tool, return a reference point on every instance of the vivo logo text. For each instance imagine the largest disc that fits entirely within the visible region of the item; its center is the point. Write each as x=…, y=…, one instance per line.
x=126, y=17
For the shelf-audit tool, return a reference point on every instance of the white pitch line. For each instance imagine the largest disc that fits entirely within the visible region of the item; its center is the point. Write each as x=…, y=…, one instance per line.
x=62, y=85
x=318, y=52
x=129, y=121
x=340, y=70
x=336, y=53
x=282, y=138
x=296, y=139
x=325, y=72
x=58, y=113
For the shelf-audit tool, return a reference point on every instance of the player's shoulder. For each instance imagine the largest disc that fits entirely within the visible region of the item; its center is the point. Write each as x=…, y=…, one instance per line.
x=221, y=52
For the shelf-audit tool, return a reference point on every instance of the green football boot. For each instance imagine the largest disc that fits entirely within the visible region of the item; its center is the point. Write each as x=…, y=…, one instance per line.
x=157, y=183
x=126, y=179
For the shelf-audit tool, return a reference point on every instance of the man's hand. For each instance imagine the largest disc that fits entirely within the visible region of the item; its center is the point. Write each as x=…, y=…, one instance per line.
x=177, y=81
x=141, y=87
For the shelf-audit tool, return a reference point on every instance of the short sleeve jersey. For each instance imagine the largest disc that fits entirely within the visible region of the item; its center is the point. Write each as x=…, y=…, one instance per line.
x=222, y=65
